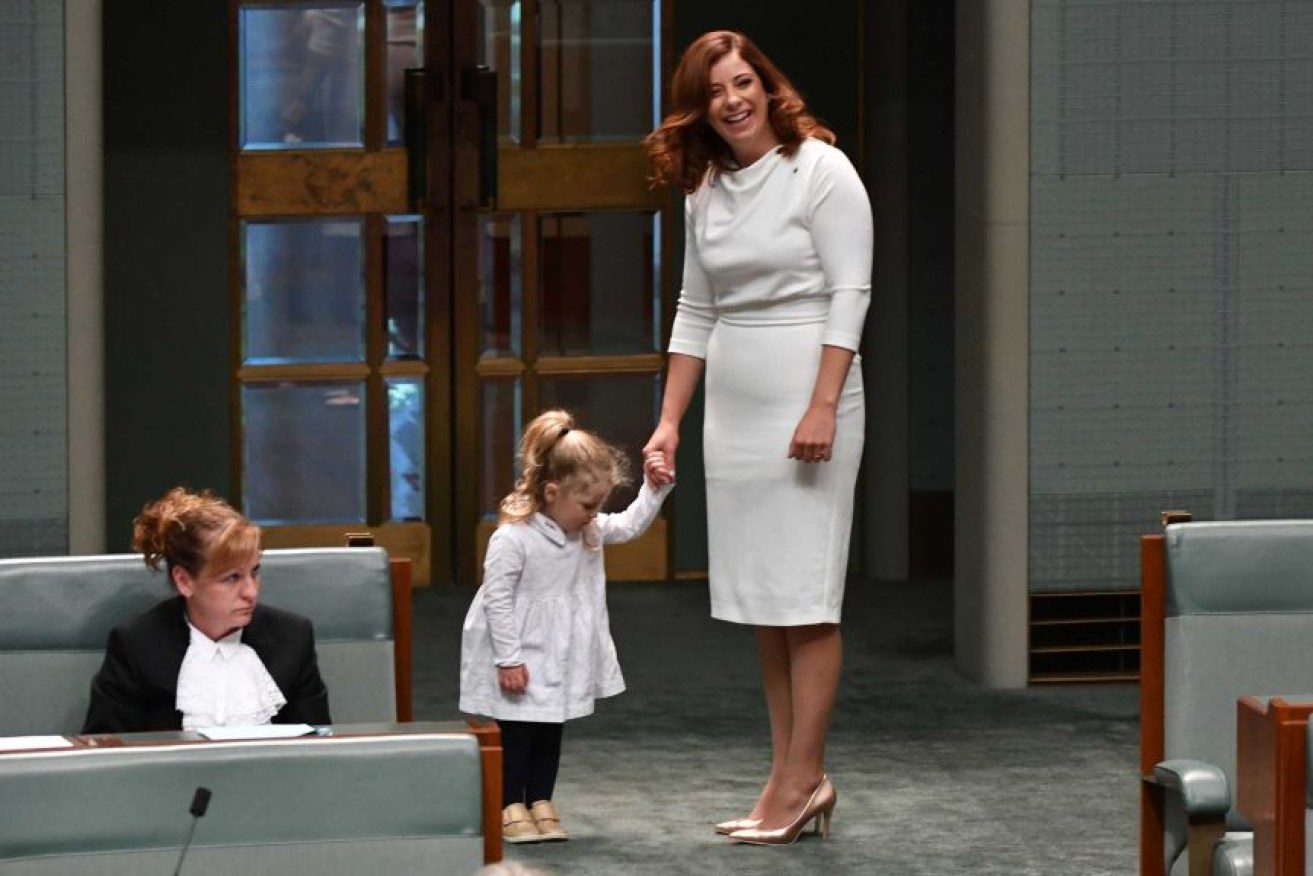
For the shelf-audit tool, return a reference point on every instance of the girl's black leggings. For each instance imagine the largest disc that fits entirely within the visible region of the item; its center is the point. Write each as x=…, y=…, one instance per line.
x=531, y=756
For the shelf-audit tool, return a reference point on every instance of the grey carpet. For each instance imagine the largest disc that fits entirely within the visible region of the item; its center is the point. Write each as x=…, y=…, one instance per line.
x=934, y=774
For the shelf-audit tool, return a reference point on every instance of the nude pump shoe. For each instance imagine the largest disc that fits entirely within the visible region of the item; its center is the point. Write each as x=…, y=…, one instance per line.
x=820, y=807
x=728, y=827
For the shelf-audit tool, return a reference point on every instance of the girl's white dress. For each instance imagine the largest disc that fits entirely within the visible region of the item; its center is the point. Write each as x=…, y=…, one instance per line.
x=543, y=603
x=777, y=264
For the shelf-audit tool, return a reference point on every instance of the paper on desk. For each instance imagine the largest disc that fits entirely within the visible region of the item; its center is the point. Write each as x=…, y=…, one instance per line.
x=28, y=743
x=258, y=731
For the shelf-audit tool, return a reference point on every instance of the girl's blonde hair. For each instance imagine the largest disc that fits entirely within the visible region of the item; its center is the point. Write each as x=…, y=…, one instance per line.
x=193, y=530
x=553, y=450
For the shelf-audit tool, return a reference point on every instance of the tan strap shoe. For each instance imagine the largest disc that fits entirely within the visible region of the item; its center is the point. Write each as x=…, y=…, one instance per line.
x=517, y=825
x=548, y=821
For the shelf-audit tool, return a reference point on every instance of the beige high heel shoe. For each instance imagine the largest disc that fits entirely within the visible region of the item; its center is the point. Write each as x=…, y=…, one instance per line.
x=819, y=806
x=728, y=827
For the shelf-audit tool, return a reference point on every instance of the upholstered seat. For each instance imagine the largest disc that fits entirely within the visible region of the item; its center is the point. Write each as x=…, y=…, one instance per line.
x=56, y=612
x=1227, y=611
x=351, y=805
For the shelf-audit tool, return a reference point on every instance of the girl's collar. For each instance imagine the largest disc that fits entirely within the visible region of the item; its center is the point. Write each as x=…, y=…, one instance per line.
x=548, y=527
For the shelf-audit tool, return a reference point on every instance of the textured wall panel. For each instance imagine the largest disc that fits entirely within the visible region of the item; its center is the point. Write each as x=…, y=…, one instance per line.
x=1171, y=274
x=33, y=312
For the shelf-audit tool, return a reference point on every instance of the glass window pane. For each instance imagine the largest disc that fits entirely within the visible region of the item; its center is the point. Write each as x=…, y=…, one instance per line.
x=597, y=60
x=305, y=291
x=405, y=48
x=304, y=457
x=501, y=297
x=301, y=84
x=599, y=283
x=500, y=50
x=622, y=409
x=403, y=261
x=406, y=447
x=500, y=434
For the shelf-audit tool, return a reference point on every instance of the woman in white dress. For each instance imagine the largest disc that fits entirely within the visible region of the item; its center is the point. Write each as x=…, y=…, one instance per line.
x=777, y=273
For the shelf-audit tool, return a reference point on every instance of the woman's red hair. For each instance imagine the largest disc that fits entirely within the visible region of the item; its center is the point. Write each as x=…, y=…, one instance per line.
x=685, y=146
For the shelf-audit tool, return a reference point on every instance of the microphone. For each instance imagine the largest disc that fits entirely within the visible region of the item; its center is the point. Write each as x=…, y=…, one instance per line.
x=200, y=802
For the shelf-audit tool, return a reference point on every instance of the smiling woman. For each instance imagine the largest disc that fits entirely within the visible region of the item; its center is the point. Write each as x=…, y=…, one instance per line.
x=211, y=655
x=777, y=269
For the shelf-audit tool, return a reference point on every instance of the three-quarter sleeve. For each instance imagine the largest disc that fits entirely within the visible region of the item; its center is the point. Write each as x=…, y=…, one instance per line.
x=842, y=232
x=695, y=315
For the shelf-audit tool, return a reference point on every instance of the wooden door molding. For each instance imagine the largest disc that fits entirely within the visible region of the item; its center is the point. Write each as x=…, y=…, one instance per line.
x=594, y=176
x=321, y=182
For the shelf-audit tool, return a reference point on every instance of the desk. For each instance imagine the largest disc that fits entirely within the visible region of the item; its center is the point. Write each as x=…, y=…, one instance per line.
x=1271, y=765
x=488, y=735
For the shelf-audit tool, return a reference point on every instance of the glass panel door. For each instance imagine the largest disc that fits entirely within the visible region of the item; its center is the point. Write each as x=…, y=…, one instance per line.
x=571, y=276
x=441, y=226
x=336, y=381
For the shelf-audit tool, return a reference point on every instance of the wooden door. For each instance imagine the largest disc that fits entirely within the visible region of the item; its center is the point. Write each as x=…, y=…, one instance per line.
x=566, y=299
x=441, y=226
x=341, y=367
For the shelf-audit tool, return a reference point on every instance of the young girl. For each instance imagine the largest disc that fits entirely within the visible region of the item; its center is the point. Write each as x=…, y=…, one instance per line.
x=536, y=647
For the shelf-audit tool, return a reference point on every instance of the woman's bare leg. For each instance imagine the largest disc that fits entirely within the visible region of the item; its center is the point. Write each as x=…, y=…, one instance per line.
x=773, y=654
x=815, y=658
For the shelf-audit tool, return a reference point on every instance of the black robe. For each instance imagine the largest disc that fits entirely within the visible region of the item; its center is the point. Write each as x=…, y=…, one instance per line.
x=136, y=688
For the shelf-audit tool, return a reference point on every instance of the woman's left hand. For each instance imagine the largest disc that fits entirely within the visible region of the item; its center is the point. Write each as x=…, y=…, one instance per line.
x=813, y=440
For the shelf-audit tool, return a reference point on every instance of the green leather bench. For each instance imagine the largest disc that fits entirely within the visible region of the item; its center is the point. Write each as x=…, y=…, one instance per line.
x=56, y=612
x=1227, y=612
x=339, y=805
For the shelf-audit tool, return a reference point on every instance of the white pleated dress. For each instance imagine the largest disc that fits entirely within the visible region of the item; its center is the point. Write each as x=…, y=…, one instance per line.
x=777, y=264
x=542, y=605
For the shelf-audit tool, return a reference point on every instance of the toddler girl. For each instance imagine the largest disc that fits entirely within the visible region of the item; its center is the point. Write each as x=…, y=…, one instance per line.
x=536, y=648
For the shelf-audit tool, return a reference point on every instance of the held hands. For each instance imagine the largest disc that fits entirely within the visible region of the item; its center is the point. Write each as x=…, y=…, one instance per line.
x=813, y=440
x=513, y=679
x=659, y=455
x=656, y=470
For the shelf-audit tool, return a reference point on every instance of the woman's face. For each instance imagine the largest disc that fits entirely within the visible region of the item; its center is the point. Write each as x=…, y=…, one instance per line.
x=219, y=599
x=738, y=111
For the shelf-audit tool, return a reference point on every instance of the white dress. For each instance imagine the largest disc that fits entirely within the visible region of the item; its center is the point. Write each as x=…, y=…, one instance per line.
x=543, y=604
x=777, y=264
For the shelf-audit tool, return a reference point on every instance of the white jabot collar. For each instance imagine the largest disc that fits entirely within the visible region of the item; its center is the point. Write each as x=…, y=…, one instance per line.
x=224, y=684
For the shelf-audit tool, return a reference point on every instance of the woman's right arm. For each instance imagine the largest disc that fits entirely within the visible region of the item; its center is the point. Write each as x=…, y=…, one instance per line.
x=682, y=375
x=694, y=318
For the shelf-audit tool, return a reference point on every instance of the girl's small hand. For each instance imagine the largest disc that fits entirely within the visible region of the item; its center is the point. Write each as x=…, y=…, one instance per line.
x=655, y=468
x=665, y=441
x=513, y=679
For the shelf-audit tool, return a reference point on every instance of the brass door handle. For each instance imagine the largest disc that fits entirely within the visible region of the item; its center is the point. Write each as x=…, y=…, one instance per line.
x=479, y=84
x=417, y=138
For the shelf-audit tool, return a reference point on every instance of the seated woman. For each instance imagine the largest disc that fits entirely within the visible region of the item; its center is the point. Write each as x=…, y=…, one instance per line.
x=210, y=655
